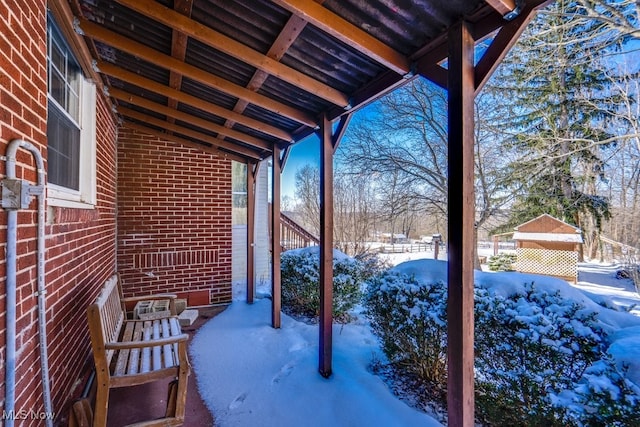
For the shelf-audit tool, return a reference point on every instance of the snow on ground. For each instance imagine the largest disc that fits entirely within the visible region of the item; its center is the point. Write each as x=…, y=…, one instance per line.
x=251, y=374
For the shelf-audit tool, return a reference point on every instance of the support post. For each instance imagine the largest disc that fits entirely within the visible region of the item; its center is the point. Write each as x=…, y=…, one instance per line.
x=461, y=200
x=276, y=291
x=326, y=247
x=252, y=171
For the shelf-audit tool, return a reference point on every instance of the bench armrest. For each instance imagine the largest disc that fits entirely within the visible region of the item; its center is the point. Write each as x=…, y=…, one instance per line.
x=148, y=343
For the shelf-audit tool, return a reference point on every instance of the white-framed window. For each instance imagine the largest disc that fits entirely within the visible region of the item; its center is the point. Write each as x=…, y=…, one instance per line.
x=71, y=126
x=239, y=193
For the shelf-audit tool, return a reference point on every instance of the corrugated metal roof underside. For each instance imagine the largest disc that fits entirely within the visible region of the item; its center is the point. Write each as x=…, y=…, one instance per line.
x=404, y=25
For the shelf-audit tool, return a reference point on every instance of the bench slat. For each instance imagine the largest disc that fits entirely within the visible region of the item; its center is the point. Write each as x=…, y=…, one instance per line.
x=145, y=359
x=123, y=355
x=134, y=357
x=157, y=362
x=167, y=350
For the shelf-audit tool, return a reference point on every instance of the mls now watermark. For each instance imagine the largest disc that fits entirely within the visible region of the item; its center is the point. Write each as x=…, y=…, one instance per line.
x=24, y=414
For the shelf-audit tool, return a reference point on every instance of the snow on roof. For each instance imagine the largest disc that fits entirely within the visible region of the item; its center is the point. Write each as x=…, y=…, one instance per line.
x=548, y=237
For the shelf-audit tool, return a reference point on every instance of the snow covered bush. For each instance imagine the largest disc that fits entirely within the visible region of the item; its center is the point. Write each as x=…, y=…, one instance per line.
x=604, y=397
x=300, y=271
x=543, y=351
x=529, y=348
x=502, y=262
x=409, y=317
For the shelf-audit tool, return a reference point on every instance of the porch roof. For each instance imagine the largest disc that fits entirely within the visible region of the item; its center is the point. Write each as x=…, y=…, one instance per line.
x=240, y=76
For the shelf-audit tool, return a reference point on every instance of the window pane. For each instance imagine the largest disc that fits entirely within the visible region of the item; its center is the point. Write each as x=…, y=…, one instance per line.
x=63, y=149
x=57, y=56
x=239, y=177
x=239, y=209
x=64, y=74
x=73, y=88
x=57, y=86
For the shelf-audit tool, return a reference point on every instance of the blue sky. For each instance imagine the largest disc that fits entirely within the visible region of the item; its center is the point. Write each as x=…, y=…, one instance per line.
x=302, y=153
x=307, y=152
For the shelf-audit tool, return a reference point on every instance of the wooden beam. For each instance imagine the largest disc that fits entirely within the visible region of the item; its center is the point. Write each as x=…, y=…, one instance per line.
x=483, y=25
x=178, y=50
x=153, y=86
x=348, y=33
x=435, y=73
x=188, y=118
x=215, y=142
x=340, y=130
x=285, y=39
x=461, y=211
x=276, y=248
x=153, y=56
x=500, y=46
x=173, y=138
x=326, y=248
x=503, y=7
x=380, y=86
x=252, y=171
x=235, y=49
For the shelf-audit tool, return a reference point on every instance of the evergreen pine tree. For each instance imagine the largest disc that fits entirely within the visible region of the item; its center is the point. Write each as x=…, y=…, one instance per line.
x=554, y=91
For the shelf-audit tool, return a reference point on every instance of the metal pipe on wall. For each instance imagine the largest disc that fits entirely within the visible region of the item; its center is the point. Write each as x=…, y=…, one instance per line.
x=12, y=225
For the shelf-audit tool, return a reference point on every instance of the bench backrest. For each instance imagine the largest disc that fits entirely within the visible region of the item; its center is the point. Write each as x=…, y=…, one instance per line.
x=105, y=317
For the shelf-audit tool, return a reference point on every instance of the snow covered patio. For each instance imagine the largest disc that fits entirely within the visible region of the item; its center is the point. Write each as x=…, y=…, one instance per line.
x=251, y=374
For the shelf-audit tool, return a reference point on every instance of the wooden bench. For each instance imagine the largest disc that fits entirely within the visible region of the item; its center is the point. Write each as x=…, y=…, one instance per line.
x=133, y=352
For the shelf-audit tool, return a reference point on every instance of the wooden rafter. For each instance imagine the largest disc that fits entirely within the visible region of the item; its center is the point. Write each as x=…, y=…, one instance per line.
x=187, y=143
x=188, y=118
x=287, y=36
x=341, y=29
x=214, y=142
x=238, y=50
x=153, y=86
x=125, y=44
x=178, y=50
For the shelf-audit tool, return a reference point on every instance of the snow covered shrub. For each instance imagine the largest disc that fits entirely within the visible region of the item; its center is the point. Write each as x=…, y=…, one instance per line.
x=502, y=262
x=301, y=277
x=529, y=348
x=604, y=397
x=410, y=319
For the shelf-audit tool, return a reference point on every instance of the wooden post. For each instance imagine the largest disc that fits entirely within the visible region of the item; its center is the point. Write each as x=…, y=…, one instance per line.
x=252, y=171
x=326, y=247
x=276, y=291
x=460, y=392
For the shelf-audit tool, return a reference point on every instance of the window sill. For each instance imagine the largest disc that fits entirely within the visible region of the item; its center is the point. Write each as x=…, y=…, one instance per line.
x=62, y=203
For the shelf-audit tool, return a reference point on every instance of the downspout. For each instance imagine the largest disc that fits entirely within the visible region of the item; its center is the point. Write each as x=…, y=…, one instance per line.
x=16, y=194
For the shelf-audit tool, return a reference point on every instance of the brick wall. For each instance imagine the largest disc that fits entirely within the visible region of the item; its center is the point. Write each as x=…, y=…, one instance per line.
x=174, y=220
x=80, y=243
